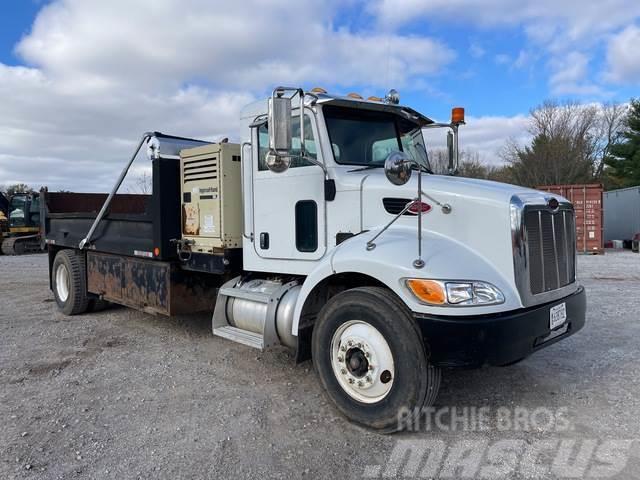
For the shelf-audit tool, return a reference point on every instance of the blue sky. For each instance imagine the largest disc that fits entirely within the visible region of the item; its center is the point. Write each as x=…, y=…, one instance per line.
x=85, y=77
x=15, y=21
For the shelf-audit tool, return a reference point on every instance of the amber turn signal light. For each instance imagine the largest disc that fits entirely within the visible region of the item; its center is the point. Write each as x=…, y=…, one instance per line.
x=427, y=291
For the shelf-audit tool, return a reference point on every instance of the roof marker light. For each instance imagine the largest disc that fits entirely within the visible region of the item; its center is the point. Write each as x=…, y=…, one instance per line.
x=357, y=96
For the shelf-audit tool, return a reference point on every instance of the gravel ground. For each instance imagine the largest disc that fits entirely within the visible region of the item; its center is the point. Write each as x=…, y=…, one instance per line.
x=122, y=394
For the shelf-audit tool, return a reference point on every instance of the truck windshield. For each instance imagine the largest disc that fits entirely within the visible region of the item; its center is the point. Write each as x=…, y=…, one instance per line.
x=365, y=138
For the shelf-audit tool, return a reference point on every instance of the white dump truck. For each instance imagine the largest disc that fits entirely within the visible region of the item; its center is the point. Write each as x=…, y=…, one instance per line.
x=325, y=230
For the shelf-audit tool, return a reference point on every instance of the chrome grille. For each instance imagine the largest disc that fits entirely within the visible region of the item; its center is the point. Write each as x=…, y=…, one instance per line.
x=551, y=248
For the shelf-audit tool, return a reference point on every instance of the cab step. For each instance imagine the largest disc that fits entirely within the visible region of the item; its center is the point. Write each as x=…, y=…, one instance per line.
x=245, y=337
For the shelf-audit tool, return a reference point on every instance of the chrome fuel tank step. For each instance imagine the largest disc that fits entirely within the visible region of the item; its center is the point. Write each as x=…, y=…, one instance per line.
x=256, y=312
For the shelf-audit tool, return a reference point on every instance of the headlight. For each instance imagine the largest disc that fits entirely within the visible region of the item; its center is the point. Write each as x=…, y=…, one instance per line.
x=453, y=292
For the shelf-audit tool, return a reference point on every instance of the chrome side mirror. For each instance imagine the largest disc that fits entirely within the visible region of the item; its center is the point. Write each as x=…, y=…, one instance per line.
x=276, y=162
x=280, y=135
x=397, y=168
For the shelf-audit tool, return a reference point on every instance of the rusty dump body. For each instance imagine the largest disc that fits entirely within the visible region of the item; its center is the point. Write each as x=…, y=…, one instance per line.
x=152, y=286
x=132, y=258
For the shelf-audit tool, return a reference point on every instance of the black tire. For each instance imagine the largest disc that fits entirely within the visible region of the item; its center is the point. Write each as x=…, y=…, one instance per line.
x=76, y=300
x=415, y=383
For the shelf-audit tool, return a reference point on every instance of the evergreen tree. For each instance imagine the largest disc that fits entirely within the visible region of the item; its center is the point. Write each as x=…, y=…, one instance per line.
x=623, y=161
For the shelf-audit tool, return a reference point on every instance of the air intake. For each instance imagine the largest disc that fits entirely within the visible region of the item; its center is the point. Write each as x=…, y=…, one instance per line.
x=395, y=205
x=200, y=169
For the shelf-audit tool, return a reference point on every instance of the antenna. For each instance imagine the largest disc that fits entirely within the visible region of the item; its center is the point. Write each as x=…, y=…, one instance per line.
x=386, y=75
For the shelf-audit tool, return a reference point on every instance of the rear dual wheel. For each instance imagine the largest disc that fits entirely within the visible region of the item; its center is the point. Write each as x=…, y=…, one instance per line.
x=371, y=359
x=69, y=279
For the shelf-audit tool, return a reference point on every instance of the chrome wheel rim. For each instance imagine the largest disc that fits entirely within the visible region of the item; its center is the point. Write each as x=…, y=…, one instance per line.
x=362, y=361
x=62, y=282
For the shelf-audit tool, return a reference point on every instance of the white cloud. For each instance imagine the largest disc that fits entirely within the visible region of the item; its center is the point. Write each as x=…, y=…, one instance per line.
x=559, y=28
x=486, y=135
x=571, y=70
x=100, y=73
x=543, y=19
x=235, y=43
x=623, y=56
x=522, y=60
x=502, y=59
x=476, y=51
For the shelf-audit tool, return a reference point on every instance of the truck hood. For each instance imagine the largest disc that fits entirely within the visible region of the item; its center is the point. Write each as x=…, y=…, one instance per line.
x=446, y=186
x=479, y=217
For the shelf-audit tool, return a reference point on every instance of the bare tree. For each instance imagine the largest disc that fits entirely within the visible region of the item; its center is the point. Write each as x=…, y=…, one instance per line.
x=439, y=160
x=568, y=146
x=611, y=124
x=470, y=166
x=17, y=188
x=142, y=184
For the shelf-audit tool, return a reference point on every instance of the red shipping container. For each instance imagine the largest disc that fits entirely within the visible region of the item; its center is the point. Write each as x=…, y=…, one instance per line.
x=587, y=202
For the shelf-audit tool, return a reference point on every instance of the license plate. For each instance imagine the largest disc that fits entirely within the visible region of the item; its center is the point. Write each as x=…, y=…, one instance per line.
x=557, y=315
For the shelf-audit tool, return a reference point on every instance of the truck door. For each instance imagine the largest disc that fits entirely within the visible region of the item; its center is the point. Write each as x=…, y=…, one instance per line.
x=288, y=207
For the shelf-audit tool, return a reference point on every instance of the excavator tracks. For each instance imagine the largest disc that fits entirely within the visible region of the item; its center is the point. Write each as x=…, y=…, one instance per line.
x=21, y=245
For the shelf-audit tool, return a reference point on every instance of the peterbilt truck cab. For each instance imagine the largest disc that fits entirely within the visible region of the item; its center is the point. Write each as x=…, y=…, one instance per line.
x=357, y=256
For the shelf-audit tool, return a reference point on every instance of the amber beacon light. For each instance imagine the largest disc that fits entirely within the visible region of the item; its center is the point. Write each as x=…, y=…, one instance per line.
x=457, y=115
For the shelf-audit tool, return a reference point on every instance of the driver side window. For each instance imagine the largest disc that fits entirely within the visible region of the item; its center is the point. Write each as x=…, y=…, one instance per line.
x=297, y=161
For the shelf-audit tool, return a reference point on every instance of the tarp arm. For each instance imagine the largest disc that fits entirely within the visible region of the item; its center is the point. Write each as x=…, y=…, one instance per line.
x=107, y=202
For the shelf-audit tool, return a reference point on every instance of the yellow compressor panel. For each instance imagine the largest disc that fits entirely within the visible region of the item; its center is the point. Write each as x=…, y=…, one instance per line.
x=211, y=197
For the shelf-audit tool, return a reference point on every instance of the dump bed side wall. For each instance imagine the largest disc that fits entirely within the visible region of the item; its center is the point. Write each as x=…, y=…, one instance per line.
x=135, y=225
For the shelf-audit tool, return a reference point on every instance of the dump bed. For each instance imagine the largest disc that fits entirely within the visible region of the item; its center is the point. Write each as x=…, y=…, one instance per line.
x=135, y=225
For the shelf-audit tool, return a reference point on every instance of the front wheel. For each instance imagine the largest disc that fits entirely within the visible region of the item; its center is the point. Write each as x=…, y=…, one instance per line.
x=371, y=359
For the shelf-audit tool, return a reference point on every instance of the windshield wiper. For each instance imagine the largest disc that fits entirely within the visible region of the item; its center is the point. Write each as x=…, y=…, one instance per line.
x=368, y=167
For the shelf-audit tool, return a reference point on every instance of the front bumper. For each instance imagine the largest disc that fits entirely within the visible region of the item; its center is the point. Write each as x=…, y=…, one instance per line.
x=497, y=339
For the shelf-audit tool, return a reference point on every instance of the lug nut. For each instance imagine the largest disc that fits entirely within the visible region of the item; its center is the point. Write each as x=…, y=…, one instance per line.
x=351, y=380
x=360, y=384
x=367, y=354
x=350, y=343
x=340, y=359
x=343, y=348
x=368, y=379
x=343, y=371
x=370, y=367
